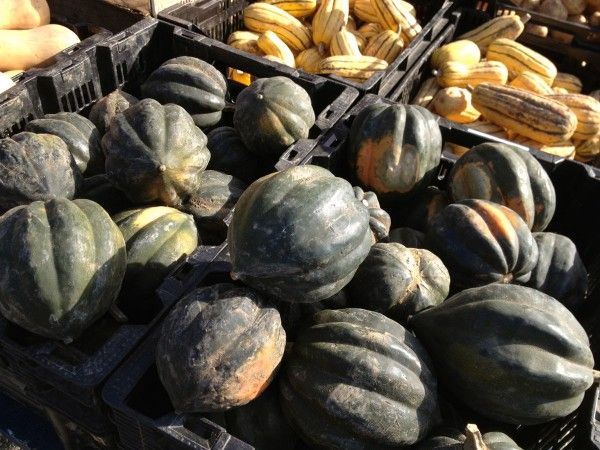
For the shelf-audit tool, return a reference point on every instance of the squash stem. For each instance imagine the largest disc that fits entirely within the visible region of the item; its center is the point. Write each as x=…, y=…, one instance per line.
x=474, y=439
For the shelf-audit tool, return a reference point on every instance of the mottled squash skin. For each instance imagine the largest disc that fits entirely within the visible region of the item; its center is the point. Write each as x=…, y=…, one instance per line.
x=394, y=149
x=398, y=281
x=271, y=114
x=155, y=153
x=408, y=237
x=230, y=155
x=380, y=221
x=481, y=242
x=357, y=380
x=61, y=266
x=298, y=235
x=107, y=108
x=219, y=348
x=155, y=238
x=35, y=167
x=261, y=423
x=559, y=271
x=509, y=352
x=80, y=135
x=454, y=440
x=191, y=83
x=425, y=207
x=509, y=176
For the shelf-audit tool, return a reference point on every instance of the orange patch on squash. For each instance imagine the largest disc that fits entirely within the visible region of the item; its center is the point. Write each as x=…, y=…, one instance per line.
x=370, y=155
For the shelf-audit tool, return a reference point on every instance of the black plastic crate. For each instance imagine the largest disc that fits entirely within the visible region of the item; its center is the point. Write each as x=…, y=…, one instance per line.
x=19, y=105
x=219, y=18
x=577, y=189
x=128, y=58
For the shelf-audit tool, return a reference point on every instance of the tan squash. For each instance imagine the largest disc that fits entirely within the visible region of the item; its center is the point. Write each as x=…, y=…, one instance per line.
x=24, y=49
x=5, y=82
x=454, y=104
x=23, y=14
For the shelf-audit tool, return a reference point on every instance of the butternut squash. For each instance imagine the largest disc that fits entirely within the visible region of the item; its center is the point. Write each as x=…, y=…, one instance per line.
x=454, y=104
x=24, y=49
x=23, y=14
x=5, y=82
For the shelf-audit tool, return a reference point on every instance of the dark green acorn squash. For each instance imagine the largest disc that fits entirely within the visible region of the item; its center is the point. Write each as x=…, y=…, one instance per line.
x=155, y=153
x=506, y=175
x=398, y=281
x=80, y=135
x=394, y=149
x=425, y=207
x=35, y=167
x=482, y=242
x=357, y=380
x=408, y=237
x=298, y=235
x=380, y=221
x=509, y=352
x=155, y=238
x=271, y=114
x=212, y=203
x=261, y=423
x=99, y=189
x=219, y=348
x=106, y=109
x=559, y=271
x=230, y=155
x=192, y=84
x=455, y=440
x=61, y=265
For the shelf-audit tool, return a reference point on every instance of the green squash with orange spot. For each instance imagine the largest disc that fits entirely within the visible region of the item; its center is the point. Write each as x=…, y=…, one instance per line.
x=394, y=149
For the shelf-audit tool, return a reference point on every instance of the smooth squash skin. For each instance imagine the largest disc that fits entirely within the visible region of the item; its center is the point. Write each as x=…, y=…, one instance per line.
x=355, y=379
x=219, y=348
x=155, y=153
x=271, y=114
x=398, y=281
x=481, y=242
x=80, y=135
x=559, y=271
x=509, y=176
x=509, y=352
x=191, y=83
x=408, y=237
x=61, y=265
x=24, y=14
x=35, y=167
x=230, y=155
x=394, y=149
x=25, y=49
x=298, y=235
x=106, y=109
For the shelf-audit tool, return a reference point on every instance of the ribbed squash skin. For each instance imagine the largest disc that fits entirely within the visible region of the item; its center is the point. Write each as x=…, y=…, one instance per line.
x=458, y=74
x=363, y=9
x=587, y=110
x=246, y=41
x=425, y=207
x=105, y=109
x=344, y=43
x=398, y=281
x=387, y=46
x=62, y=263
x=261, y=17
x=394, y=149
x=454, y=440
x=155, y=238
x=271, y=44
x=463, y=51
x=589, y=148
x=379, y=220
x=354, y=68
x=358, y=380
x=426, y=93
x=330, y=18
x=569, y=82
x=272, y=239
x=481, y=242
x=80, y=135
x=222, y=322
x=518, y=58
x=507, y=176
x=511, y=353
x=99, y=189
x=392, y=13
x=509, y=27
x=271, y=114
x=561, y=149
x=454, y=104
x=528, y=114
x=296, y=8
x=309, y=60
x=229, y=154
x=559, y=271
x=531, y=82
x=261, y=423
x=408, y=237
x=155, y=153
x=368, y=30
x=191, y=83
x=35, y=167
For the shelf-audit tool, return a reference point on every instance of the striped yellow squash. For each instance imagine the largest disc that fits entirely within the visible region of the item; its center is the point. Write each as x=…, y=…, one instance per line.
x=344, y=43
x=330, y=18
x=271, y=44
x=387, y=45
x=296, y=8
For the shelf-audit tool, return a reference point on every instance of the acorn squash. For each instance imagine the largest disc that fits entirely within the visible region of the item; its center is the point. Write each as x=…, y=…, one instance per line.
x=455, y=440
x=191, y=83
x=61, y=265
x=219, y=348
x=379, y=221
x=425, y=207
x=481, y=242
x=228, y=154
x=99, y=189
x=155, y=153
x=408, y=237
x=509, y=352
x=105, y=109
x=298, y=235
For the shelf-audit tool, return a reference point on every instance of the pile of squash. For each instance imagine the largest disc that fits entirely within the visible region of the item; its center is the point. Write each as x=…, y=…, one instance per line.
x=341, y=333
x=96, y=210
x=351, y=39
x=27, y=39
x=491, y=83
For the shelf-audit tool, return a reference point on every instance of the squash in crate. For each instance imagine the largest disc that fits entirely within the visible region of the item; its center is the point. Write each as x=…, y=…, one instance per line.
x=379, y=220
x=392, y=14
x=518, y=58
x=569, y=82
x=462, y=51
x=354, y=68
x=309, y=60
x=107, y=108
x=587, y=111
x=270, y=44
x=509, y=27
x=24, y=14
x=344, y=43
x=330, y=18
x=246, y=41
x=458, y=74
x=296, y=8
x=228, y=154
x=450, y=439
x=408, y=237
x=386, y=45
x=454, y=104
x=531, y=82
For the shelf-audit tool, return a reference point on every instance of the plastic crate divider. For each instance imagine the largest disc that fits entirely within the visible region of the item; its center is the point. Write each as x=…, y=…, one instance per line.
x=19, y=105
